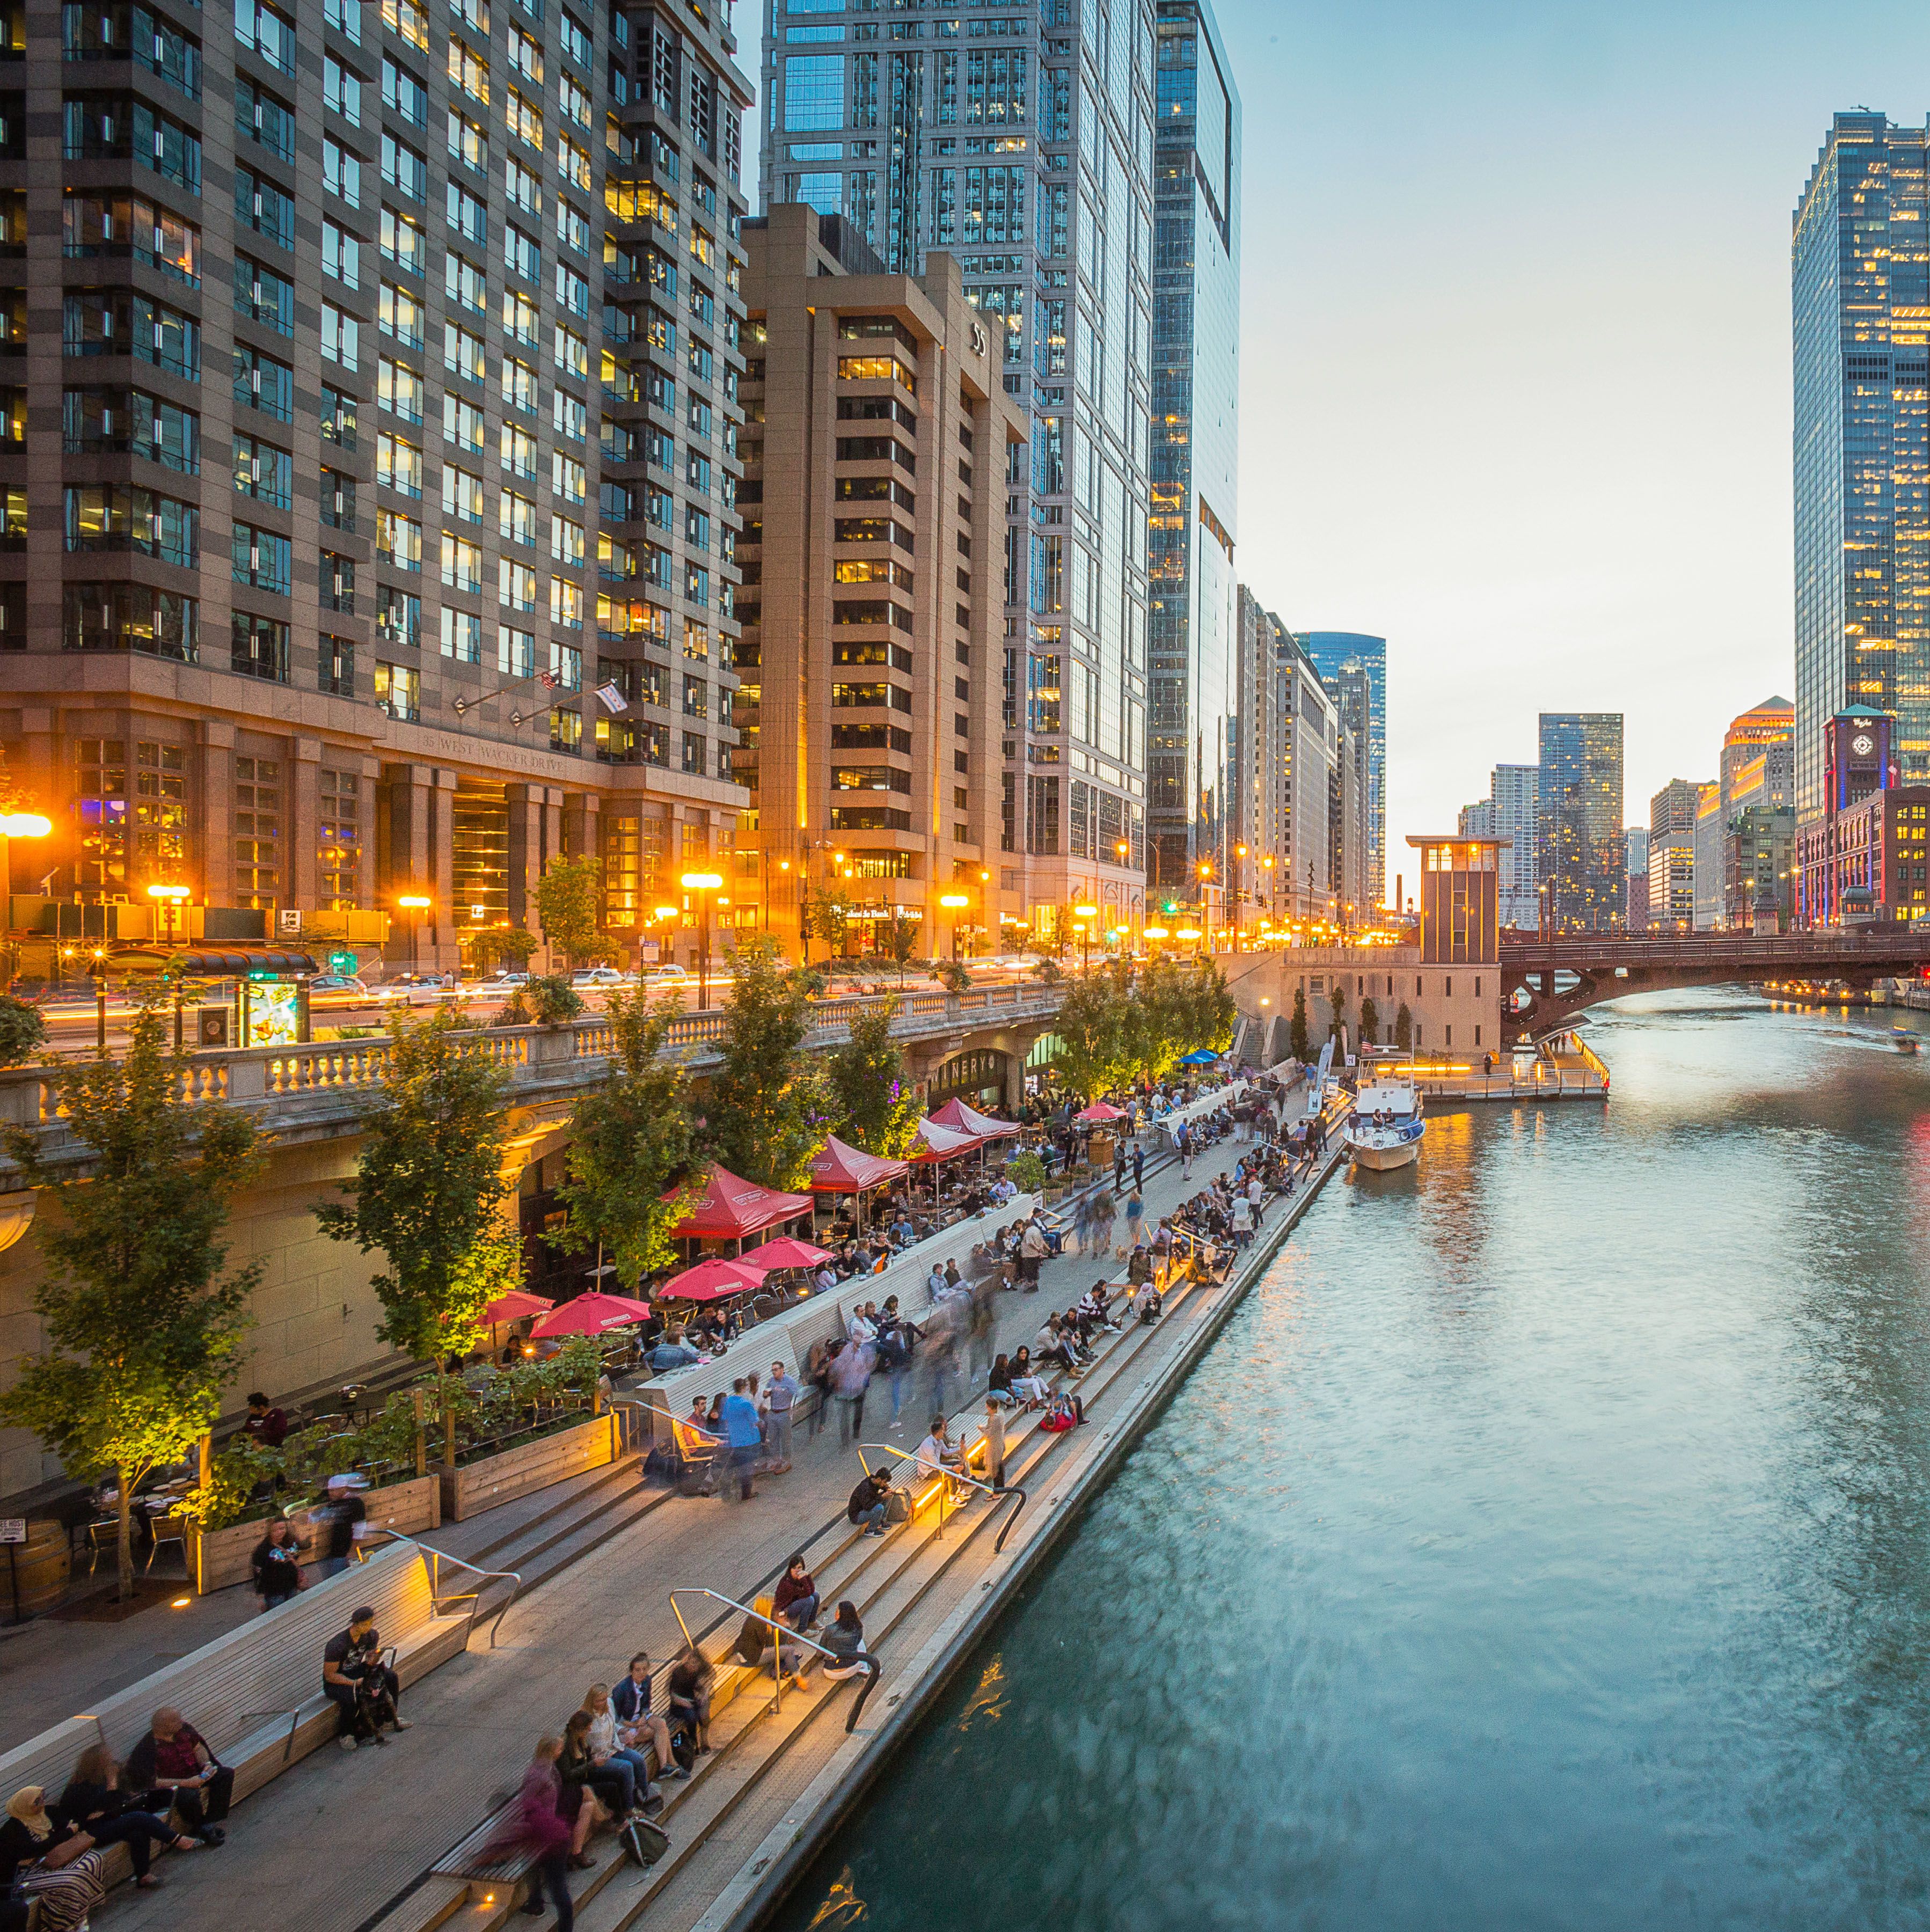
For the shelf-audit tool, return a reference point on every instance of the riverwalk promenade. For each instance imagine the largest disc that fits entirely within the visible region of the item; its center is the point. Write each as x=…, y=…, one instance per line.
x=355, y=1838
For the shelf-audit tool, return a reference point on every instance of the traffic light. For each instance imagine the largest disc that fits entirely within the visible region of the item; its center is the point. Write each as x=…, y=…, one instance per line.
x=1169, y=907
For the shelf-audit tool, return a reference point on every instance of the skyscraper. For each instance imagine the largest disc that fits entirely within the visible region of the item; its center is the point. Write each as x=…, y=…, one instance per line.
x=1023, y=144
x=1508, y=814
x=1860, y=276
x=1673, y=814
x=1332, y=653
x=378, y=452
x=1194, y=451
x=1579, y=821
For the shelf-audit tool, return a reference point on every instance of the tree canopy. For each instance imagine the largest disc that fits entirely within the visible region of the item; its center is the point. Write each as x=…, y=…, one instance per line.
x=569, y=904
x=874, y=1104
x=769, y=1106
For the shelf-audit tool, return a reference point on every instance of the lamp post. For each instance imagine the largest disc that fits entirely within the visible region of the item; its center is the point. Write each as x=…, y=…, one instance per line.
x=703, y=884
x=1083, y=916
x=1205, y=902
x=954, y=903
x=1239, y=854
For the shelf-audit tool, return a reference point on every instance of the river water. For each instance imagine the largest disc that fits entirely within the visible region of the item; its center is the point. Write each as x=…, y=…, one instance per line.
x=1543, y=1544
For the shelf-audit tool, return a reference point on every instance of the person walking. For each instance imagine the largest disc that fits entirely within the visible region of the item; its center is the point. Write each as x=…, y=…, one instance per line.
x=744, y=1438
x=1031, y=1252
x=995, y=1442
x=781, y=1394
x=535, y=1828
x=1119, y=1167
x=1104, y=1212
x=1138, y=1169
x=851, y=1376
x=276, y=1564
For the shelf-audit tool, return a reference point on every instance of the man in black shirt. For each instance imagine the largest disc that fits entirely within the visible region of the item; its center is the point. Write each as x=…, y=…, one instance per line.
x=342, y=1517
x=363, y=1688
x=867, y=1505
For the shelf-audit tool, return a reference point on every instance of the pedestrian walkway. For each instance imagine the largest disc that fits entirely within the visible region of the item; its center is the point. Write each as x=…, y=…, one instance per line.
x=395, y=1811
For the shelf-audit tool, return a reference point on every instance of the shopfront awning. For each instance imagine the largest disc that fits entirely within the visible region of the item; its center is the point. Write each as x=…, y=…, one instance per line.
x=204, y=962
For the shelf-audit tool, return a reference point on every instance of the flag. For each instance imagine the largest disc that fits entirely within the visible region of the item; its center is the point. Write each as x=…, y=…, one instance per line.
x=612, y=700
x=547, y=680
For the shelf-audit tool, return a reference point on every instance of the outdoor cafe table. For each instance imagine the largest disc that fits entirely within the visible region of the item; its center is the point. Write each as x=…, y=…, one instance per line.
x=786, y=1337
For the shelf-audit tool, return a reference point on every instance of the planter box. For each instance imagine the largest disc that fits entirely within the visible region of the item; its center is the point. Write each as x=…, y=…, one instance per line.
x=477, y=1486
x=221, y=1557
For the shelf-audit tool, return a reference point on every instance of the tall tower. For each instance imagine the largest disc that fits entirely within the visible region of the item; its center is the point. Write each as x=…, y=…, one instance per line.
x=1860, y=279
x=1023, y=144
x=1583, y=860
x=1194, y=451
x=1336, y=652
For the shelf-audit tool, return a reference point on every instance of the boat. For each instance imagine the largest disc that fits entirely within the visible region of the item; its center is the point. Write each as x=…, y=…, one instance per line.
x=1905, y=1041
x=1386, y=1128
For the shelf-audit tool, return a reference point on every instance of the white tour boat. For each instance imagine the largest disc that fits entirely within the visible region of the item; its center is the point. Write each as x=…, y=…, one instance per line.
x=1386, y=1128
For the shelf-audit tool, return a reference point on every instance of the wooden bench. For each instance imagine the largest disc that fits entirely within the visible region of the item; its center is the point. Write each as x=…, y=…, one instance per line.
x=255, y=1694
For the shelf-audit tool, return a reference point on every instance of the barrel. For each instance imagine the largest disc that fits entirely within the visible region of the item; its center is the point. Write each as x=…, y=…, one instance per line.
x=41, y=1565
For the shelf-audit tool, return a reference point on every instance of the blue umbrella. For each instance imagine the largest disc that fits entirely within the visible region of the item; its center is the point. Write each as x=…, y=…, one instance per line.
x=1199, y=1056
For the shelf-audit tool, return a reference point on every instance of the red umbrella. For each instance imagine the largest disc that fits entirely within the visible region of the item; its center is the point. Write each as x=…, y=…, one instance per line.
x=786, y=1252
x=591, y=1315
x=712, y=1280
x=513, y=1305
x=1102, y=1110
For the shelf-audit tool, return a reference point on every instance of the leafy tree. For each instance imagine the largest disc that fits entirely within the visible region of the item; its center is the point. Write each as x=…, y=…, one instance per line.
x=512, y=947
x=1296, y=1032
x=1337, y=1005
x=569, y=905
x=827, y=914
x=144, y=1327
x=870, y=1096
x=1370, y=1021
x=428, y=1190
x=901, y=934
x=769, y=1109
x=630, y=1142
x=1099, y=1031
x=21, y=1029
x=1403, y=1029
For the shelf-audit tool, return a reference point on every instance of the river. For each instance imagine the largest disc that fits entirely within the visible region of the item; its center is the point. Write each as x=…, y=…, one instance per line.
x=1542, y=1545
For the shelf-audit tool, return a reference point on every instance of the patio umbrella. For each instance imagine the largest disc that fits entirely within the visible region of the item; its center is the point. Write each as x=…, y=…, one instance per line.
x=591, y=1315
x=1200, y=1056
x=1102, y=1110
x=513, y=1305
x=786, y=1252
x=713, y=1279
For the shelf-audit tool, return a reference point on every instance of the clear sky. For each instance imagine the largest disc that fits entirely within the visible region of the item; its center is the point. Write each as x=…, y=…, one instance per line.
x=1516, y=352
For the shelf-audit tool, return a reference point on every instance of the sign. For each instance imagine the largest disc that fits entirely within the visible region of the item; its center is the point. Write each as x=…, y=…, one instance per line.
x=342, y=963
x=13, y=1529
x=651, y=950
x=288, y=921
x=273, y=1020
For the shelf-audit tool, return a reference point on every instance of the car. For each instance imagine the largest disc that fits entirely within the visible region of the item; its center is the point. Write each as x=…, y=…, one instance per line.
x=337, y=989
x=593, y=976
x=665, y=975
x=505, y=981
x=414, y=989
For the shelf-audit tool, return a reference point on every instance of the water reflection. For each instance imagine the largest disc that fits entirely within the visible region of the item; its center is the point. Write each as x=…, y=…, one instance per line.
x=1543, y=1545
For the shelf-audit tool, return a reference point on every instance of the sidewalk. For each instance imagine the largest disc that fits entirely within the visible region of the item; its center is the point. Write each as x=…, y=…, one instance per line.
x=393, y=1812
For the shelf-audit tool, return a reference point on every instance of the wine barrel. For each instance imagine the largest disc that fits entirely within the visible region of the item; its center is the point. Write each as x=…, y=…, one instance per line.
x=40, y=1564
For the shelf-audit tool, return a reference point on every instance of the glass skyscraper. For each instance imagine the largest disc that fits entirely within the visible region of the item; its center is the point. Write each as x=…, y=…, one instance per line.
x=1023, y=144
x=1583, y=859
x=1195, y=450
x=1860, y=276
x=1336, y=652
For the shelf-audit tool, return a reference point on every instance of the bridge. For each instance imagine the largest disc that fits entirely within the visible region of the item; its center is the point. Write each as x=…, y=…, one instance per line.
x=1535, y=1001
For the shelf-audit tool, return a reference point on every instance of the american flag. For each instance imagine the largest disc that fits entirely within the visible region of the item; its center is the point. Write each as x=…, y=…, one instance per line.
x=547, y=680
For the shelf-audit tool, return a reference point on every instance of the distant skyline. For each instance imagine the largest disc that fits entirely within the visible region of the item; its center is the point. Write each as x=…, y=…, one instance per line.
x=1516, y=386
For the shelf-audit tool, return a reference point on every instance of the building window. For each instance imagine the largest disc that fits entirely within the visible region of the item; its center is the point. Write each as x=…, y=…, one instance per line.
x=260, y=648
x=335, y=666
x=398, y=691
x=566, y=730
x=339, y=837
x=257, y=831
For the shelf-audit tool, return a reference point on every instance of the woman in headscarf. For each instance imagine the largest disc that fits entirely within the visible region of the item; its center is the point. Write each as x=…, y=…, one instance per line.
x=56, y=1864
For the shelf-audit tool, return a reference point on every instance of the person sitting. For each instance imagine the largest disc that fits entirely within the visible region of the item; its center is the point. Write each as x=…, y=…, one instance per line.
x=590, y=1792
x=688, y=1694
x=797, y=1597
x=844, y=1637
x=52, y=1866
x=637, y=1725
x=1054, y=1345
x=935, y=1286
x=172, y=1765
x=1146, y=1303
x=999, y=1383
x=859, y=1326
x=938, y=1454
x=609, y=1753
x=867, y=1505
x=1027, y=1385
x=668, y=1355
x=276, y=1564
x=94, y=1803
x=362, y=1688
x=759, y=1645
x=265, y=1426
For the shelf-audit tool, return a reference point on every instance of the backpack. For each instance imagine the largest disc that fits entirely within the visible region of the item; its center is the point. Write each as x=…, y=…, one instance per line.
x=643, y=1843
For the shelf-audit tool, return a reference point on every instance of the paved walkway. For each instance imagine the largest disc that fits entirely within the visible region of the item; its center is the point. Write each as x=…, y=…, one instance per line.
x=351, y=1832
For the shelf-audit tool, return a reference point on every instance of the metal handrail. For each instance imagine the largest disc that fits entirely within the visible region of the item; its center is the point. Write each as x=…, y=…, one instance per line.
x=487, y=1576
x=946, y=1478
x=782, y=1631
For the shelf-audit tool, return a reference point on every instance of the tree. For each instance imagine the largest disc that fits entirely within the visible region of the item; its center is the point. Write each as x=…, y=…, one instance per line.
x=826, y=913
x=512, y=946
x=570, y=898
x=428, y=1191
x=1337, y=1004
x=769, y=1109
x=1099, y=1032
x=630, y=1142
x=21, y=1029
x=143, y=1326
x=901, y=934
x=1403, y=1029
x=870, y=1097
x=1370, y=1021
x=1296, y=1032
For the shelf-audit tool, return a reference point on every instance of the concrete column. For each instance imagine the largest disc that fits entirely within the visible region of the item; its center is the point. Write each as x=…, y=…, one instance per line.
x=306, y=795
x=368, y=798
x=217, y=868
x=44, y=788
x=526, y=851
x=403, y=857
x=556, y=842
x=441, y=861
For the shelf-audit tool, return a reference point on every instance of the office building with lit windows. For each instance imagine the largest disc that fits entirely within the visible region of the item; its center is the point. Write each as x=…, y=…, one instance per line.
x=1860, y=280
x=872, y=608
x=1021, y=143
x=1583, y=857
x=371, y=514
x=1509, y=815
x=1191, y=756
x=1341, y=657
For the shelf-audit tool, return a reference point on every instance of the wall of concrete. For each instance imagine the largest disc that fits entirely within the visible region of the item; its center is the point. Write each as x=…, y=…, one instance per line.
x=1456, y=1009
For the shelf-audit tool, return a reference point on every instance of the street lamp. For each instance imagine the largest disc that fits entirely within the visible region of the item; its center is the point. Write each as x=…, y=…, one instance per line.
x=1239, y=852
x=1205, y=870
x=1082, y=917
x=954, y=903
x=704, y=884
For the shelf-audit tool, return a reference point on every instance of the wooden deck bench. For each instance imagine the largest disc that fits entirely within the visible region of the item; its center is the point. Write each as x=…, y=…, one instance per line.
x=255, y=1694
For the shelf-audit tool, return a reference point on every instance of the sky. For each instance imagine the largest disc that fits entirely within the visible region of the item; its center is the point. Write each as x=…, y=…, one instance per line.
x=1515, y=361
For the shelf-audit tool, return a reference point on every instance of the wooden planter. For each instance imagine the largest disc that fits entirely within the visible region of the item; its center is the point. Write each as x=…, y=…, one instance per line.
x=221, y=1557
x=496, y=1480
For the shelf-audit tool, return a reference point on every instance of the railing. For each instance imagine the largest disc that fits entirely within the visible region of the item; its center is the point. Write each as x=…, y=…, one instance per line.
x=946, y=1478
x=781, y=1633
x=437, y=1557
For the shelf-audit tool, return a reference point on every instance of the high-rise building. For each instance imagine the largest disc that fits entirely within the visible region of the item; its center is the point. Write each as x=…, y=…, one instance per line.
x=874, y=512
x=1025, y=146
x=1635, y=849
x=1672, y=813
x=1579, y=821
x=1262, y=752
x=1508, y=816
x=1194, y=643
x=1860, y=277
x=1335, y=653
x=439, y=360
